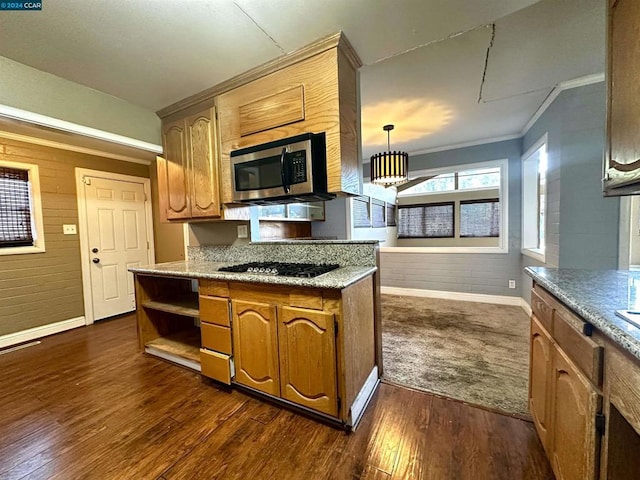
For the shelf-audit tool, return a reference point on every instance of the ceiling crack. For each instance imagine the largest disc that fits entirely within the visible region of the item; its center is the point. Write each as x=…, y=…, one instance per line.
x=430, y=42
x=261, y=29
x=486, y=61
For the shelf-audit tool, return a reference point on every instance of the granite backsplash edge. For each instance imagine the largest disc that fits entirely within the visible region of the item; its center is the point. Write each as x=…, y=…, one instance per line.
x=344, y=254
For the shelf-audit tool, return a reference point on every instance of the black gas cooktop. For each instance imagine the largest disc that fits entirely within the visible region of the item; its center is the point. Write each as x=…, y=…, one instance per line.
x=286, y=269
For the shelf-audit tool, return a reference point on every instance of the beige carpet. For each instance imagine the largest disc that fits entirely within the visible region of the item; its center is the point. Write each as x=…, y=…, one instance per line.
x=475, y=352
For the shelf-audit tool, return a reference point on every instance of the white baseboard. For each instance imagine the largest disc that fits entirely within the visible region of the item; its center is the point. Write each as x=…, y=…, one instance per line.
x=362, y=399
x=39, y=332
x=460, y=296
x=525, y=306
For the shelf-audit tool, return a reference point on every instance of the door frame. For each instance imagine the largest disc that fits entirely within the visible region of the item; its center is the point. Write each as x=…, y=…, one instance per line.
x=83, y=229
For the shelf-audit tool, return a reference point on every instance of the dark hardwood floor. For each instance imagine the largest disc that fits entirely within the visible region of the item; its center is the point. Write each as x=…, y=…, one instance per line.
x=87, y=404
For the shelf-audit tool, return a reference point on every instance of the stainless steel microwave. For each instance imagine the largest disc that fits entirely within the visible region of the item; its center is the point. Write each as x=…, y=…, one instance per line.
x=290, y=170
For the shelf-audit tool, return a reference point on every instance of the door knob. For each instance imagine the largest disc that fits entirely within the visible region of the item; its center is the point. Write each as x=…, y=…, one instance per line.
x=94, y=250
x=96, y=260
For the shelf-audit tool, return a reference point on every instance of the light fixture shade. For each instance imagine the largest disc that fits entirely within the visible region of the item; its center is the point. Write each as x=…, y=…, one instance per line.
x=389, y=168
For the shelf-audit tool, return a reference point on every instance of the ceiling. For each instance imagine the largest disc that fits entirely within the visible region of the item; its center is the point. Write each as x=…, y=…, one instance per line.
x=443, y=71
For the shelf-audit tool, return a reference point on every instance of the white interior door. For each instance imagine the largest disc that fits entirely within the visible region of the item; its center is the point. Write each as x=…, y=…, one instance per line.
x=117, y=234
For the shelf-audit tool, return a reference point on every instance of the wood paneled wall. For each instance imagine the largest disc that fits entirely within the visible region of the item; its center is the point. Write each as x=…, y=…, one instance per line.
x=44, y=288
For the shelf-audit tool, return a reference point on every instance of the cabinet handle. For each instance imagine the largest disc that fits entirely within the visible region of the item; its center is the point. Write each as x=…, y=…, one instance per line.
x=283, y=176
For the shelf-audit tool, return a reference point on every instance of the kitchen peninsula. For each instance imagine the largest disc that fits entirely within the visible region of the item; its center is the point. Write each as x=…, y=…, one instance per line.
x=584, y=390
x=309, y=342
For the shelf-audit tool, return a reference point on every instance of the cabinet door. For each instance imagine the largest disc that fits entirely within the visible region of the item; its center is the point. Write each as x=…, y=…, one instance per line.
x=623, y=102
x=540, y=374
x=308, y=358
x=172, y=173
x=255, y=343
x=575, y=404
x=203, y=165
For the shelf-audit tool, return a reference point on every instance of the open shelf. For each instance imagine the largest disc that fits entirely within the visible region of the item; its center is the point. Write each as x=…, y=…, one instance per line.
x=181, y=347
x=186, y=305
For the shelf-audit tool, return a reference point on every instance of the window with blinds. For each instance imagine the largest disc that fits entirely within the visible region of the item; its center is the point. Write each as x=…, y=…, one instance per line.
x=15, y=208
x=361, y=216
x=480, y=218
x=434, y=220
x=391, y=215
x=377, y=213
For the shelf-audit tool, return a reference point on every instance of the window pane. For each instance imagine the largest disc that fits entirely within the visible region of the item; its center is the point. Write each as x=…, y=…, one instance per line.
x=297, y=210
x=361, y=212
x=391, y=215
x=377, y=213
x=272, y=211
x=15, y=208
x=534, y=199
x=480, y=218
x=440, y=183
x=426, y=221
x=479, y=178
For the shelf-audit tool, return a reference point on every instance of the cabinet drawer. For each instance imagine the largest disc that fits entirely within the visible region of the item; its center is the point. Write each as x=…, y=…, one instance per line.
x=214, y=310
x=582, y=350
x=216, y=365
x=542, y=310
x=215, y=337
x=214, y=288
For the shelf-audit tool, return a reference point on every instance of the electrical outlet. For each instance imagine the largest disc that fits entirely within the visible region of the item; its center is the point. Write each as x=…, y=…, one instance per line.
x=69, y=229
x=512, y=284
x=242, y=231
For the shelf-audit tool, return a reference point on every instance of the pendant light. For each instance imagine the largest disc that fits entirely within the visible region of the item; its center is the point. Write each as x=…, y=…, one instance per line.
x=389, y=168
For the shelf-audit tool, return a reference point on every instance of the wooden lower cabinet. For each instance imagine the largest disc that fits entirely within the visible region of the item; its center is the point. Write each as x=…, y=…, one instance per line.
x=564, y=396
x=540, y=381
x=315, y=348
x=575, y=406
x=308, y=358
x=255, y=340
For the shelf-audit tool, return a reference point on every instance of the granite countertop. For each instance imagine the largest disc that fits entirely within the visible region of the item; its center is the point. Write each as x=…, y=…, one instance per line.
x=595, y=295
x=336, y=279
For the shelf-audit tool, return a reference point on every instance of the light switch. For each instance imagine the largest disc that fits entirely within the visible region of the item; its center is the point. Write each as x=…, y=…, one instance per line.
x=242, y=231
x=69, y=229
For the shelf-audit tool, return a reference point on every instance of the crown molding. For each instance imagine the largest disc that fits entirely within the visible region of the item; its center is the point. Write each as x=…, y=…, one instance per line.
x=473, y=143
x=72, y=148
x=456, y=146
x=558, y=89
x=321, y=45
x=63, y=125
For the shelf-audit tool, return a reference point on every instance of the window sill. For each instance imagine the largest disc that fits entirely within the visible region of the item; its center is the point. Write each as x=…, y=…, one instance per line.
x=534, y=253
x=492, y=250
x=21, y=250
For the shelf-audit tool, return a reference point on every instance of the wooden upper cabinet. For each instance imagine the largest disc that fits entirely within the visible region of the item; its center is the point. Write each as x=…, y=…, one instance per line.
x=203, y=169
x=314, y=95
x=172, y=173
x=255, y=340
x=539, y=381
x=308, y=358
x=311, y=90
x=575, y=437
x=188, y=177
x=622, y=158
